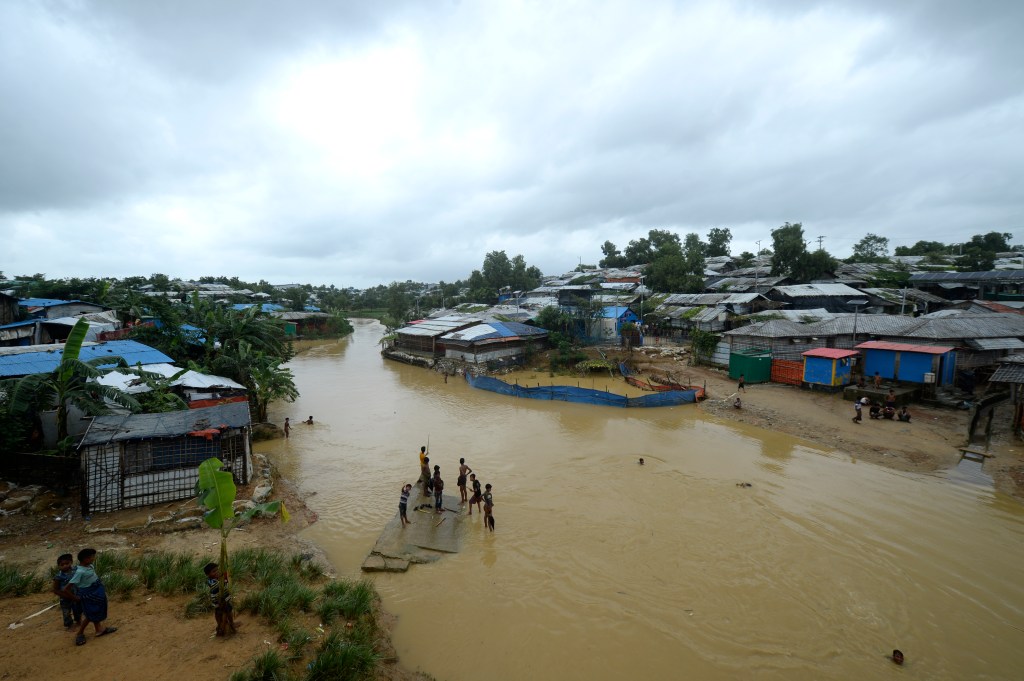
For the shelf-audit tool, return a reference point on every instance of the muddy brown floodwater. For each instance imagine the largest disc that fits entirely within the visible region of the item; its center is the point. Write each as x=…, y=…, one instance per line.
x=604, y=569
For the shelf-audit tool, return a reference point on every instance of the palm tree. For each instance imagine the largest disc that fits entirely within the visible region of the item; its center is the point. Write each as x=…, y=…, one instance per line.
x=70, y=384
x=261, y=374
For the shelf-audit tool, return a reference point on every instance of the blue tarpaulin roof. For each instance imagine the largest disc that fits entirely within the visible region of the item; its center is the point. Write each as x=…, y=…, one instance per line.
x=265, y=307
x=45, y=302
x=46, y=358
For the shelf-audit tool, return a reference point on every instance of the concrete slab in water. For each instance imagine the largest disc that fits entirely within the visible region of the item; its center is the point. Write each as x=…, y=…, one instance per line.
x=426, y=539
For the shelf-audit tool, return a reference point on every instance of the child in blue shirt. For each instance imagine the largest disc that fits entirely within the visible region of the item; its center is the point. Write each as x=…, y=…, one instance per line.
x=85, y=587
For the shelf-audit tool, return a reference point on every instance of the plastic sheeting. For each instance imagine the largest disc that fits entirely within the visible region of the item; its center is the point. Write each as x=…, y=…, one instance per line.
x=568, y=393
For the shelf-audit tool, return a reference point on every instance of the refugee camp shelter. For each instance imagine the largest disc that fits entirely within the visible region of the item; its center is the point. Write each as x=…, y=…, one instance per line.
x=493, y=341
x=50, y=308
x=37, y=359
x=423, y=337
x=132, y=460
x=906, y=362
x=829, y=367
x=612, y=319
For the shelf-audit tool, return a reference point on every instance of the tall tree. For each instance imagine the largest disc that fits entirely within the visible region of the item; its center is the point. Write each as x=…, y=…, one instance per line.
x=718, y=241
x=871, y=248
x=792, y=259
x=995, y=242
x=789, y=249
x=923, y=248
x=612, y=256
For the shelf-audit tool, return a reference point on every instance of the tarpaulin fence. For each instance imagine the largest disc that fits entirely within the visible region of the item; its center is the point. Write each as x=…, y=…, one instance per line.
x=568, y=393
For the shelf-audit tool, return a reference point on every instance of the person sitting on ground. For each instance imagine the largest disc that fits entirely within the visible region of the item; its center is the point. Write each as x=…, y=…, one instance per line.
x=876, y=410
x=904, y=415
x=861, y=383
x=888, y=413
x=738, y=403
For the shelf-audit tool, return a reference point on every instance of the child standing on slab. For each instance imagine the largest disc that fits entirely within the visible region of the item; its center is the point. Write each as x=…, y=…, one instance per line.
x=88, y=590
x=403, y=504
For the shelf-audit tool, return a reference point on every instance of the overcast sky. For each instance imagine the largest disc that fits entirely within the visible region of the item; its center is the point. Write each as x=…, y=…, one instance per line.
x=357, y=143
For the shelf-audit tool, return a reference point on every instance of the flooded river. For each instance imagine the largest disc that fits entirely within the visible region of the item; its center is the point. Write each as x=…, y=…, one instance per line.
x=604, y=569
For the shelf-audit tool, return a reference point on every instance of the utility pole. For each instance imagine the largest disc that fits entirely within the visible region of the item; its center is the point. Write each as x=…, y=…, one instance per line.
x=820, y=239
x=757, y=264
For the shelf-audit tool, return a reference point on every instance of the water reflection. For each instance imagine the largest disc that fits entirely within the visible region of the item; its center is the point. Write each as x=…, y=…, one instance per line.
x=604, y=569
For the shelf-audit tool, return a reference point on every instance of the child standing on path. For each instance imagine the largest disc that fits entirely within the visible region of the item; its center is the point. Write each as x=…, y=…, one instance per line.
x=223, y=611
x=403, y=504
x=71, y=610
x=90, y=593
x=856, y=408
x=488, y=508
x=477, y=495
x=742, y=385
x=464, y=470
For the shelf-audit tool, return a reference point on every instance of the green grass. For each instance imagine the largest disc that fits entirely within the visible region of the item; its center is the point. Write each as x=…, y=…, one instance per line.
x=120, y=585
x=269, y=666
x=351, y=600
x=281, y=597
x=17, y=581
x=340, y=660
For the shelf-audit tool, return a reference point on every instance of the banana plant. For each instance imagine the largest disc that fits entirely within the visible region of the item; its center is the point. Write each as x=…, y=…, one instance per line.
x=216, y=491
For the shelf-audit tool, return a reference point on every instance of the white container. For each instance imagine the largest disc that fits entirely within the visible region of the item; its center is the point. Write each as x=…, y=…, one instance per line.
x=929, y=378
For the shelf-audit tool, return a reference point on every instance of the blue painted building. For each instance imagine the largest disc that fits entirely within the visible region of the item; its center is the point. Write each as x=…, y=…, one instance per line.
x=829, y=367
x=906, y=362
x=612, y=319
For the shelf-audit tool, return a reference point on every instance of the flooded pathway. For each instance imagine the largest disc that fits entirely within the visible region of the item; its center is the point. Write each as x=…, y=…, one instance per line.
x=604, y=569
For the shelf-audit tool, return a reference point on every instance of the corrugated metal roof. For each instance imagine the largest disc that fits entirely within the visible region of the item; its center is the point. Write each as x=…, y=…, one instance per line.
x=818, y=290
x=829, y=353
x=904, y=347
x=867, y=324
x=117, y=428
x=818, y=314
x=774, y=328
x=494, y=330
x=707, y=315
x=995, y=343
x=968, y=277
x=1012, y=372
x=911, y=295
x=711, y=298
x=741, y=284
x=439, y=326
x=41, y=359
x=985, y=325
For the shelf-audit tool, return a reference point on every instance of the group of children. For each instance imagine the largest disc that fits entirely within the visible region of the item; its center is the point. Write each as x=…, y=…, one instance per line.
x=83, y=599
x=82, y=596
x=433, y=484
x=877, y=411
